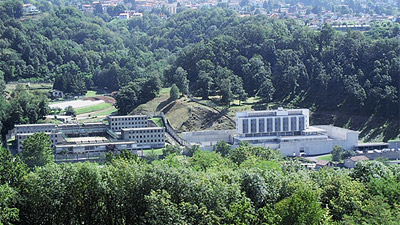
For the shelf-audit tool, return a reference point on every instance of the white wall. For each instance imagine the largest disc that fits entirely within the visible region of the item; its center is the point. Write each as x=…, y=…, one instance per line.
x=208, y=136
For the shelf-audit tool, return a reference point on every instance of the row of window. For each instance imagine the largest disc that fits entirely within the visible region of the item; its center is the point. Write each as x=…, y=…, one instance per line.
x=130, y=123
x=146, y=136
x=270, y=122
x=151, y=141
x=32, y=131
x=145, y=131
x=129, y=118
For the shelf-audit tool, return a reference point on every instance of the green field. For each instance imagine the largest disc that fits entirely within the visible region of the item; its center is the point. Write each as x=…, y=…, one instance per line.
x=158, y=121
x=158, y=151
x=326, y=157
x=165, y=90
x=106, y=113
x=93, y=108
x=91, y=94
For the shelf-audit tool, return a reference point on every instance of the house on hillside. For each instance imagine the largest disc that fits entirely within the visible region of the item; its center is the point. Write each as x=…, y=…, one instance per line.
x=56, y=93
x=351, y=162
x=30, y=9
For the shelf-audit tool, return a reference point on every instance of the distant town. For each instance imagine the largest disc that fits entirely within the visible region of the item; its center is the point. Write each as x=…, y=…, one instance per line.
x=341, y=15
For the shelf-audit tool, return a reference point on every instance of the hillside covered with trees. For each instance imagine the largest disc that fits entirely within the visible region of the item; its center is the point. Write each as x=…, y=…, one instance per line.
x=247, y=185
x=206, y=53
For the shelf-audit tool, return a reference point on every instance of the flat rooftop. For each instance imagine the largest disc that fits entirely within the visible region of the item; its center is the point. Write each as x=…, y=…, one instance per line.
x=277, y=112
x=96, y=144
x=128, y=116
x=36, y=125
x=372, y=144
x=142, y=128
x=87, y=140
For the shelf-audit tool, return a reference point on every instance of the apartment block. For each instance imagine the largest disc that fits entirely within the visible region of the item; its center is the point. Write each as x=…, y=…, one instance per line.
x=117, y=123
x=146, y=137
x=55, y=138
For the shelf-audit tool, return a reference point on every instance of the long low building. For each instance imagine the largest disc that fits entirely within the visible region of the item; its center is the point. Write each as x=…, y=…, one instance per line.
x=146, y=137
x=122, y=132
x=286, y=130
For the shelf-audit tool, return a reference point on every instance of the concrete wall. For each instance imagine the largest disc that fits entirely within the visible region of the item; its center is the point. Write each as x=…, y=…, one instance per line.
x=394, y=144
x=314, y=147
x=209, y=136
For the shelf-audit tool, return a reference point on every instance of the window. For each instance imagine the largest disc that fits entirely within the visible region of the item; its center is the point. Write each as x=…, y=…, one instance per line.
x=245, y=125
x=261, y=125
x=293, y=123
x=277, y=124
x=285, y=124
x=253, y=125
x=301, y=123
x=269, y=125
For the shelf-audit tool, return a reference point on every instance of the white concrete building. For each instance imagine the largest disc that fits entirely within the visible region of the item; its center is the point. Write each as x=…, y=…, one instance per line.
x=271, y=123
x=55, y=138
x=290, y=132
x=117, y=123
x=286, y=130
x=123, y=132
x=146, y=137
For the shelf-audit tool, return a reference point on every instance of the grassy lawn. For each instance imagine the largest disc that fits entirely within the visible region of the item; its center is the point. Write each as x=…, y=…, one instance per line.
x=91, y=94
x=326, y=157
x=157, y=151
x=106, y=113
x=158, y=121
x=92, y=108
x=165, y=90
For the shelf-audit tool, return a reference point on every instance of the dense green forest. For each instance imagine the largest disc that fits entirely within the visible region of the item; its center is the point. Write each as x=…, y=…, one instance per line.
x=248, y=185
x=204, y=52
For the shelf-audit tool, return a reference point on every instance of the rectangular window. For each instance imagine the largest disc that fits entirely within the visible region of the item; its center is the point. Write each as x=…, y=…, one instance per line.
x=285, y=124
x=277, y=124
x=269, y=125
x=261, y=125
x=301, y=123
x=245, y=126
x=253, y=125
x=293, y=124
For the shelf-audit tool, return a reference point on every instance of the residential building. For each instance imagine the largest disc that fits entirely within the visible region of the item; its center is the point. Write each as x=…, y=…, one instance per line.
x=146, y=137
x=351, y=162
x=117, y=123
x=55, y=138
x=122, y=132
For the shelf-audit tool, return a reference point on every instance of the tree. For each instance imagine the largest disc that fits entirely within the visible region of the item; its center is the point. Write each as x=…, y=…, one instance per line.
x=12, y=169
x=302, y=207
x=36, y=150
x=223, y=148
x=8, y=198
x=172, y=149
x=337, y=153
x=70, y=111
x=2, y=82
x=181, y=80
x=127, y=98
x=174, y=92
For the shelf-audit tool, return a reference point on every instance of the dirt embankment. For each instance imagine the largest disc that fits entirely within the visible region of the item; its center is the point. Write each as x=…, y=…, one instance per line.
x=104, y=98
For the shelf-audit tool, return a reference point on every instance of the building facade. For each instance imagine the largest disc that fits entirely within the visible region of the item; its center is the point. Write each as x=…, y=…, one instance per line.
x=290, y=132
x=122, y=132
x=117, y=123
x=272, y=122
x=146, y=137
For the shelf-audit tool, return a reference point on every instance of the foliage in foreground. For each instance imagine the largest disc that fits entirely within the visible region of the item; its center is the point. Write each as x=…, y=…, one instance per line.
x=203, y=189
